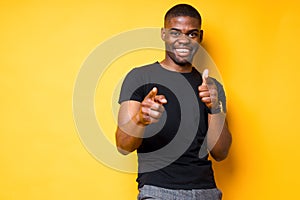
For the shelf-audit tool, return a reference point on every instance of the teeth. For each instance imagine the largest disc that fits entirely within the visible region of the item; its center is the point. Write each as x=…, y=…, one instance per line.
x=182, y=50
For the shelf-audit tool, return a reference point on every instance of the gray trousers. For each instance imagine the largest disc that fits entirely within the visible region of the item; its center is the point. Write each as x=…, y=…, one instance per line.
x=157, y=193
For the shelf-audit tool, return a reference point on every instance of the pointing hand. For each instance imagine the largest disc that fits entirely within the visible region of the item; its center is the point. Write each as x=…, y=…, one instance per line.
x=151, y=108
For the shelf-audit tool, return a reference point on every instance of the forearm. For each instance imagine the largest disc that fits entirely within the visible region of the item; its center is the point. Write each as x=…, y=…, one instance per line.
x=134, y=117
x=129, y=136
x=219, y=137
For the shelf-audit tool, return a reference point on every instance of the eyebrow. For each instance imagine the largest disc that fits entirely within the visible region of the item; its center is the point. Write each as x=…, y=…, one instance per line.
x=190, y=31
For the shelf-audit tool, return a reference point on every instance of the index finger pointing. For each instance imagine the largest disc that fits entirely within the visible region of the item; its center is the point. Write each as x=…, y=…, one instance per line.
x=152, y=93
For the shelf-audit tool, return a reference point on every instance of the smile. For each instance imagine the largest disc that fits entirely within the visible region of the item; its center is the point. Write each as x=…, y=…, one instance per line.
x=183, y=51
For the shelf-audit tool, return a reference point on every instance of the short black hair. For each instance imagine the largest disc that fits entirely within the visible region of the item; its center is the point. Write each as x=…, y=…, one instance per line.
x=182, y=10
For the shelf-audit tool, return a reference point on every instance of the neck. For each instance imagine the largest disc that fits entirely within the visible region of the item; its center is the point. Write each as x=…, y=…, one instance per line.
x=175, y=67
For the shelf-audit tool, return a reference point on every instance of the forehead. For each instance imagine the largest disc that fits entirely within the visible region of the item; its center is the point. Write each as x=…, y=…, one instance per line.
x=183, y=22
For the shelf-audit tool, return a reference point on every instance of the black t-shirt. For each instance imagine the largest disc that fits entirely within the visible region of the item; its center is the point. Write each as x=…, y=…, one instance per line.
x=169, y=154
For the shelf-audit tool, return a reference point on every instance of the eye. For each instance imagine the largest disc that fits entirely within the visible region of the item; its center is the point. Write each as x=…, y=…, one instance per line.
x=175, y=33
x=193, y=34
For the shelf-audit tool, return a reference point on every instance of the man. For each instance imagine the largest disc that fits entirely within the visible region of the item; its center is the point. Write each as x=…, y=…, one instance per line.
x=169, y=112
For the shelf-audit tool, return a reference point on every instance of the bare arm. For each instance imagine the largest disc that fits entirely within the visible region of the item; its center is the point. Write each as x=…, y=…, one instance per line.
x=129, y=133
x=218, y=136
x=134, y=117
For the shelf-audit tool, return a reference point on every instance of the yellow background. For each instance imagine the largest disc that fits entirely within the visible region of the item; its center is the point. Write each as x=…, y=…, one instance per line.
x=43, y=44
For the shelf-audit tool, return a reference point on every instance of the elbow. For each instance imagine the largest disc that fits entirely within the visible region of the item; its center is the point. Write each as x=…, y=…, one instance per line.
x=220, y=156
x=220, y=153
x=122, y=150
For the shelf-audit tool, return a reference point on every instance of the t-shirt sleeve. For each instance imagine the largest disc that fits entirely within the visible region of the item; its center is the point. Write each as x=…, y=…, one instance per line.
x=132, y=87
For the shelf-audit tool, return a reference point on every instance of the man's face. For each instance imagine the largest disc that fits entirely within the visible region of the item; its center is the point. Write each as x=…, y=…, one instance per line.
x=182, y=36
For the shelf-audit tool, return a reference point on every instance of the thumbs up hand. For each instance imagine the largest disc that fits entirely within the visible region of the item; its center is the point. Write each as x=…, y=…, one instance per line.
x=208, y=92
x=151, y=108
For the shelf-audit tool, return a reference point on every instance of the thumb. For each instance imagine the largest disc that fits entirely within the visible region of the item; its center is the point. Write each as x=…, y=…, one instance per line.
x=204, y=76
x=152, y=93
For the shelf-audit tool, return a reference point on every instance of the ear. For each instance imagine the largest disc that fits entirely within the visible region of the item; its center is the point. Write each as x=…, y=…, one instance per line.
x=163, y=34
x=201, y=35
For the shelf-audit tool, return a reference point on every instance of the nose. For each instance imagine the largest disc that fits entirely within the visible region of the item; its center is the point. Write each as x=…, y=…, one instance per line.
x=183, y=39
